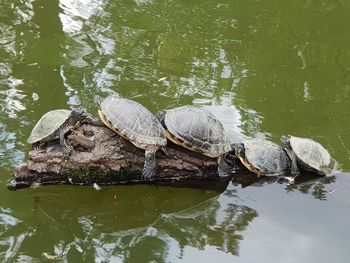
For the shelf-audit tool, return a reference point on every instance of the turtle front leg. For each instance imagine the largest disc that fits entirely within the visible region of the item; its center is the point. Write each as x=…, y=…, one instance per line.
x=294, y=162
x=67, y=148
x=36, y=146
x=294, y=166
x=223, y=167
x=150, y=166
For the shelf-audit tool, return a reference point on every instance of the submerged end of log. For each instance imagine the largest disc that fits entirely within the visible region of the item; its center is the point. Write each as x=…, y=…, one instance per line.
x=102, y=157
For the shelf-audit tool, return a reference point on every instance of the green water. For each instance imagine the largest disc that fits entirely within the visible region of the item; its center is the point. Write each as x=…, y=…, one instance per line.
x=266, y=68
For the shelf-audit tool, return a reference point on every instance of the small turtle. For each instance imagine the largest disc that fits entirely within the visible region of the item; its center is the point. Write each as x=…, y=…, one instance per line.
x=309, y=154
x=135, y=123
x=198, y=130
x=262, y=157
x=55, y=124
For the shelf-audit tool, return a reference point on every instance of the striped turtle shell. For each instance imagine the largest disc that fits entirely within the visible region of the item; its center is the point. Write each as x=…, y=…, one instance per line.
x=48, y=124
x=312, y=155
x=132, y=121
x=265, y=158
x=198, y=130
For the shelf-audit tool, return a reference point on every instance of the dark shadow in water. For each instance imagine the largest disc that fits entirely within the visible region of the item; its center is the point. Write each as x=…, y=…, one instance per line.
x=129, y=224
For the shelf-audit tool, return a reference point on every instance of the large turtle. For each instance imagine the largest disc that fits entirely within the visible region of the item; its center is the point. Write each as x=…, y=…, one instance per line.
x=55, y=124
x=307, y=154
x=198, y=130
x=263, y=157
x=134, y=122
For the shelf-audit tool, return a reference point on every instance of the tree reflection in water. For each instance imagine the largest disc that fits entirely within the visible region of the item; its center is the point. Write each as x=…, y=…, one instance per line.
x=209, y=223
x=126, y=224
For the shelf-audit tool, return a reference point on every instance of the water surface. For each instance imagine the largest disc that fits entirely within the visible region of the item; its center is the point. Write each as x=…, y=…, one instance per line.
x=265, y=68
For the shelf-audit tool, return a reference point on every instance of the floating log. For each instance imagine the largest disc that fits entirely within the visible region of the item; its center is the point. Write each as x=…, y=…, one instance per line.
x=104, y=158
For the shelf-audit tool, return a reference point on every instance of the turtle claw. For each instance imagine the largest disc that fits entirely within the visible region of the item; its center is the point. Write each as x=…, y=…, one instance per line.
x=291, y=180
x=36, y=146
x=68, y=150
x=148, y=173
x=224, y=174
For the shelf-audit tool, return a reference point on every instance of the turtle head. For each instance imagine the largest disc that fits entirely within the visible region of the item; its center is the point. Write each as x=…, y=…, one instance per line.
x=161, y=117
x=239, y=149
x=98, y=100
x=285, y=139
x=78, y=114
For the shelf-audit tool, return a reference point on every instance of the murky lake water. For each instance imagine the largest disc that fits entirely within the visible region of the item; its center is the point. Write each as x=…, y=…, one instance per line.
x=268, y=68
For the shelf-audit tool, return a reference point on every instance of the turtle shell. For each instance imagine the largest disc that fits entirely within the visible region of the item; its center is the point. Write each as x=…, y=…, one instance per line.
x=312, y=155
x=132, y=121
x=265, y=158
x=198, y=130
x=48, y=124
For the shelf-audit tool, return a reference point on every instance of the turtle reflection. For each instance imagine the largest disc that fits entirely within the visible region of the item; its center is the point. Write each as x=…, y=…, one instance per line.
x=314, y=185
x=306, y=183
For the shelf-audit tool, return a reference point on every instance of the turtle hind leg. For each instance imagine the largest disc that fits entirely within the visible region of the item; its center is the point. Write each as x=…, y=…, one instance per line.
x=223, y=168
x=150, y=166
x=74, y=119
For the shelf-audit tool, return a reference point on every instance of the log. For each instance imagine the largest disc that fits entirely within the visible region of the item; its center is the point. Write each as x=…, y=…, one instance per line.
x=104, y=158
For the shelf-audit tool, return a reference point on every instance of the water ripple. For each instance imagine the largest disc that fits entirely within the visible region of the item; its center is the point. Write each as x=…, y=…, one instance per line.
x=12, y=98
x=77, y=12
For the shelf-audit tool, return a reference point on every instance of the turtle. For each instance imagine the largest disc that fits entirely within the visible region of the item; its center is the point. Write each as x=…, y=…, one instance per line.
x=263, y=157
x=55, y=124
x=135, y=123
x=308, y=155
x=197, y=130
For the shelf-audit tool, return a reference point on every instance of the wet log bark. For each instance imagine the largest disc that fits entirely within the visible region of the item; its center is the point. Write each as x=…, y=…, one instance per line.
x=104, y=158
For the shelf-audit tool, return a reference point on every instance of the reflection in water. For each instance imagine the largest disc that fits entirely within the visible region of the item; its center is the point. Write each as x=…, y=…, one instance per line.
x=212, y=223
x=314, y=185
x=157, y=224
x=231, y=119
x=12, y=97
x=6, y=220
x=124, y=51
x=284, y=73
x=306, y=183
x=76, y=13
x=9, y=243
